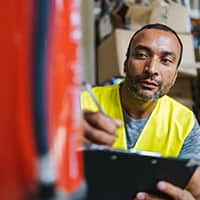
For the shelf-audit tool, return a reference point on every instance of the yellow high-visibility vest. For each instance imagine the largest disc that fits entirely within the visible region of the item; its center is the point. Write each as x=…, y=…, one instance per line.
x=165, y=131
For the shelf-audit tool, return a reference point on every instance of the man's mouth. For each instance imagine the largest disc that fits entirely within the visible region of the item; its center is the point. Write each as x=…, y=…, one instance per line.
x=149, y=84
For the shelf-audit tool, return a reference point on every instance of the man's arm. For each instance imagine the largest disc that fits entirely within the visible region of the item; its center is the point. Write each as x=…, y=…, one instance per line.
x=191, y=146
x=194, y=184
x=101, y=129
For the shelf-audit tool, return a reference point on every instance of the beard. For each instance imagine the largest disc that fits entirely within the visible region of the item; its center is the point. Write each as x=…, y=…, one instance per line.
x=133, y=86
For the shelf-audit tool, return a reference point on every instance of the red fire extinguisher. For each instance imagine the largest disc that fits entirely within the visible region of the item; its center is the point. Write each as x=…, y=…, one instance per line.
x=64, y=85
x=40, y=110
x=18, y=171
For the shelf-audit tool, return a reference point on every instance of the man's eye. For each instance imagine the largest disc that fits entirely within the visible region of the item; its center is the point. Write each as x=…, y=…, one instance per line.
x=166, y=61
x=141, y=55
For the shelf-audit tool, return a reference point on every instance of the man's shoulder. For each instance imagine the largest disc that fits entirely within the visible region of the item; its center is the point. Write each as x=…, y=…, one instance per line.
x=171, y=101
x=177, y=110
x=101, y=92
x=105, y=90
x=104, y=94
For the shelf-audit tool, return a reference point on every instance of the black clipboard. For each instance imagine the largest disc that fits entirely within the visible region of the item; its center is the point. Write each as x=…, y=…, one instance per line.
x=119, y=175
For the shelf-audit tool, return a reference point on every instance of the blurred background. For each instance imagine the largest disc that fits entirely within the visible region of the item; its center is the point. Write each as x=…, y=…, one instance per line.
x=115, y=21
x=47, y=49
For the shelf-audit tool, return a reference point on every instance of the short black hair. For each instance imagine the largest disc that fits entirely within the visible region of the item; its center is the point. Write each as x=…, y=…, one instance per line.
x=156, y=26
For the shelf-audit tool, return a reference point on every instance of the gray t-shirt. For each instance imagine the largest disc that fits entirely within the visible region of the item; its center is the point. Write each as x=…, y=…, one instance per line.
x=190, y=148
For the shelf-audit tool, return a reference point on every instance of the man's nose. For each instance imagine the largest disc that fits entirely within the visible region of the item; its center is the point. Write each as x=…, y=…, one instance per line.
x=152, y=66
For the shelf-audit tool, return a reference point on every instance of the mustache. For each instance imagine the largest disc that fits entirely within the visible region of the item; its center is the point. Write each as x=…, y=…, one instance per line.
x=143, y=77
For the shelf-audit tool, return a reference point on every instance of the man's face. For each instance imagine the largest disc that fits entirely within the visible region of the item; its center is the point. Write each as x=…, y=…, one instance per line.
x=151, y=67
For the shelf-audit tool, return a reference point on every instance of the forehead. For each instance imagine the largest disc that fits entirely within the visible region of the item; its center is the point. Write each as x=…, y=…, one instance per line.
x=157, y=39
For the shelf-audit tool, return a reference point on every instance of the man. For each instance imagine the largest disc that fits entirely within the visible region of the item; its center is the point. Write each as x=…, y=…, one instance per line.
x=149, y=119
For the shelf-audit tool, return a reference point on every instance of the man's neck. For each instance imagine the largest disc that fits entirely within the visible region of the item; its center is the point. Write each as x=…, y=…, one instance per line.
x=135, y=107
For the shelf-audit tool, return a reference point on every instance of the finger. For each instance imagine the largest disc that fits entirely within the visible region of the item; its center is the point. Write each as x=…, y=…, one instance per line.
x=85, y=141
x=146, y=196
x=118, y=123
x=140, y=196
x=175, y=192
x=101, y=121
x=97, y=136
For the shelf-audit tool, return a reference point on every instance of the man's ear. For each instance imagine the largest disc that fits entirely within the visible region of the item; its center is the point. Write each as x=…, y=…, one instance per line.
x=125, y=65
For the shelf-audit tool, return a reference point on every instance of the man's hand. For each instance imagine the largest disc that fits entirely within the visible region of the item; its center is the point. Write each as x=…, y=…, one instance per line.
x=99, y=128
x=194, y=184
x=175, y=192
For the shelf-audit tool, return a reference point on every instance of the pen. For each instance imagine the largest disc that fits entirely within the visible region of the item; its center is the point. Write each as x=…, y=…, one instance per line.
x=88, y=88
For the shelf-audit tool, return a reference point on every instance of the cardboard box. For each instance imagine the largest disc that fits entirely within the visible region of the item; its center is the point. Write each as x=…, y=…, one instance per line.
x=111, y=55
x=171, y=13
x=197, y=54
